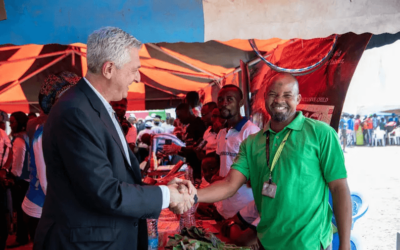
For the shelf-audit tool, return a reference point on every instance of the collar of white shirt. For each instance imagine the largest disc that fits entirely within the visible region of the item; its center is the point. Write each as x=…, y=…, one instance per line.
x=102, y=99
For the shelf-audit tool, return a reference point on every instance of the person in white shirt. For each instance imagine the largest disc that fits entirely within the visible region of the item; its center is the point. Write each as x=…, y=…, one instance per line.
x=20, y=170
x=210, y=136
x=238, y=128
x=5, y=147
x=148, y=125
x=157, y=125
x=169, y=126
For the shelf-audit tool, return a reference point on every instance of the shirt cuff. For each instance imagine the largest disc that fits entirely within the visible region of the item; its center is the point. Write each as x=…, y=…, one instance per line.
x=165, y=196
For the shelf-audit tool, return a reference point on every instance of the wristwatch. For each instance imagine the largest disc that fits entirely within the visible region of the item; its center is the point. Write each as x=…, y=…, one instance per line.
x=196, y=199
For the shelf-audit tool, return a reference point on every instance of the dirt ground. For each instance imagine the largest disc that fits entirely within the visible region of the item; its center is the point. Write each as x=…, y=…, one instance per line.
x=375, y=172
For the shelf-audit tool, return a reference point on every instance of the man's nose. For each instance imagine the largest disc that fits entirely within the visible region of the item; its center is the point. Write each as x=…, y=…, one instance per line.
x=278, y=99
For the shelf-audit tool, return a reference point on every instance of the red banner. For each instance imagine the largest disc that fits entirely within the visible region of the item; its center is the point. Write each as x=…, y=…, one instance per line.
x=323, y=90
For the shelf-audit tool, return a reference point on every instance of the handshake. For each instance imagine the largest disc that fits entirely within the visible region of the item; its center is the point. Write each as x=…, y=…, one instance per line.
x=182, y=194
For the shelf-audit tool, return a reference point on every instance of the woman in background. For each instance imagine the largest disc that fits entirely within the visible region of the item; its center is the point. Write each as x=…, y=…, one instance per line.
x=51, y=90
x=20, y=172
x=359, y=132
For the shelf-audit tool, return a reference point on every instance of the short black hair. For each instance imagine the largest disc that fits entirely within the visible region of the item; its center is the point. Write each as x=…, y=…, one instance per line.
x=192, y=98
x=22, y=119
x=213, y=155
x=234, y=87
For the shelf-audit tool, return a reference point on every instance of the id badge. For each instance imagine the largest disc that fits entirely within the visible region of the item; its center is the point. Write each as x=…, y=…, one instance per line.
x=269, y=190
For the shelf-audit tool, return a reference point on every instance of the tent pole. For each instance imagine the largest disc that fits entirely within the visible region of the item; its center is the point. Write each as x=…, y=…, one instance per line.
x=251, y=63
x=73, y=58
x=245, y=87
x=178, y=72
x=16, y=82
x=182, y=61
x=37, y=57
x=166, y=91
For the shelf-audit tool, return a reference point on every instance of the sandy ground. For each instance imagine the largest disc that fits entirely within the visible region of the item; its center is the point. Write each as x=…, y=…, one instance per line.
x=375, y=172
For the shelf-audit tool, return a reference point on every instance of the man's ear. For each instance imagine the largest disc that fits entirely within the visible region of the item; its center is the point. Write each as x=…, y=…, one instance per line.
x=107, y=69
x=241, y=102
x=298, y=99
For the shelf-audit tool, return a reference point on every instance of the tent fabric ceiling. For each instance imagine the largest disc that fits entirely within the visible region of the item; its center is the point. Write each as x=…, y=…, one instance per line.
x=155, y=21
x=168, y=70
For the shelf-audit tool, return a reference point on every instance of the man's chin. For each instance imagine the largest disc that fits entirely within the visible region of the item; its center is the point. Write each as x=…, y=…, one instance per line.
x=279, y=117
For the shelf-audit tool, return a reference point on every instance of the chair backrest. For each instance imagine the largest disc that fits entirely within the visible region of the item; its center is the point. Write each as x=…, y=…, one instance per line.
x=379, y=134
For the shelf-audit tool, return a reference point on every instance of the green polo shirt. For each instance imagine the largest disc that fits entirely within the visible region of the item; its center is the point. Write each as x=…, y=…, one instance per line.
x=299, y=217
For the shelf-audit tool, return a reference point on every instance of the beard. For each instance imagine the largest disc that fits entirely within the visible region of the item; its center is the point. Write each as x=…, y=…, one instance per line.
x=226, y=114
x=278, y=116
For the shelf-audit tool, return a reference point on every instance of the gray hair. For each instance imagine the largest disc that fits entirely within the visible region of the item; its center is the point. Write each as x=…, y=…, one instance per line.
x=109, y=44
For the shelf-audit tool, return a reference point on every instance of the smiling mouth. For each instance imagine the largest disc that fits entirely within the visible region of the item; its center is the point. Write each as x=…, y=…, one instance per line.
x=279, y=108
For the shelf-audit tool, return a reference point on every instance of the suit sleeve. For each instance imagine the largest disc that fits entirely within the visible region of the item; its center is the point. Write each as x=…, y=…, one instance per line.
x=91, y=173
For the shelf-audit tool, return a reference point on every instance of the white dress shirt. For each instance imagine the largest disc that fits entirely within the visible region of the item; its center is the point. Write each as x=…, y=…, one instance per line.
x=111, y=112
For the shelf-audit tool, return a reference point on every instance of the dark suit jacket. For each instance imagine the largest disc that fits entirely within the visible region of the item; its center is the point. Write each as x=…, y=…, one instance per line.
x=95, y=200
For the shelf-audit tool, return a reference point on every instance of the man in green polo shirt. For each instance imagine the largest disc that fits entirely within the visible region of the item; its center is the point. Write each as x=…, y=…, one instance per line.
x=306, y=162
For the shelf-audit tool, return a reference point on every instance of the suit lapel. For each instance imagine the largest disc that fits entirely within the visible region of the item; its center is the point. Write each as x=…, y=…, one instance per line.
x=104, y=116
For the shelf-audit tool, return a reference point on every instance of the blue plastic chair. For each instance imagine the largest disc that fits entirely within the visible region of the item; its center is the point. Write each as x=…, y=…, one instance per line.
x=360, y=207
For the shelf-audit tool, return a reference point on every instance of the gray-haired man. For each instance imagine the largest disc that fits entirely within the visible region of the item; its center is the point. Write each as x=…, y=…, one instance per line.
x=95, y=197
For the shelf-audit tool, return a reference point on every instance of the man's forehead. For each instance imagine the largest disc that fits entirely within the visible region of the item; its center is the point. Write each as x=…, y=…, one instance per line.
x=287, y=86
x=228, y=92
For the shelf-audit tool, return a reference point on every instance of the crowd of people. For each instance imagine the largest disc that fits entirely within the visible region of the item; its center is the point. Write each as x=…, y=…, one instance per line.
x=75, y=172
x=369, y=131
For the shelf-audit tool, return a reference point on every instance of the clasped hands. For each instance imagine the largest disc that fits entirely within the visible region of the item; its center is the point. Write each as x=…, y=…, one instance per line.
x=182, y=194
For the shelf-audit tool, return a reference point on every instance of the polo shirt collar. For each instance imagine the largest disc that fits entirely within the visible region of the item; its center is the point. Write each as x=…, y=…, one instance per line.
x=296, y=124
x=240, y=124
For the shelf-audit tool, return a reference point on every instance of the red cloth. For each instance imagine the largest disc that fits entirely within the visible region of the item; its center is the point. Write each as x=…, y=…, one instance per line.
x=357, y=124
x=370, y=124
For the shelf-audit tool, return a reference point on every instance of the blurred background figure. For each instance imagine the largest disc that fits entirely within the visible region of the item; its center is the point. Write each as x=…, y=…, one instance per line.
x=53, y=87
x=20, y=172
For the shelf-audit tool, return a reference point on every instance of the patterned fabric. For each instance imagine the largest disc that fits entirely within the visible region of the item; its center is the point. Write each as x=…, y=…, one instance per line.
x=53, y=87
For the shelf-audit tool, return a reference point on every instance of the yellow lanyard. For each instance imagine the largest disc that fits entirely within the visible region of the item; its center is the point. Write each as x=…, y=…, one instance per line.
x=277, y=154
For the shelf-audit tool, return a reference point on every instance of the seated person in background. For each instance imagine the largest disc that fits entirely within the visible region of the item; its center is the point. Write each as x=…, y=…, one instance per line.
x=242, y=228
x=194, y=133
x=147, y=130
x=143, y=152
x=210, y=169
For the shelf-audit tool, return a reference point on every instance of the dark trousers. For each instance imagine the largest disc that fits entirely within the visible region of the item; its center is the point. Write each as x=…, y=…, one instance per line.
x=32, y=223
x=3, y=219
x=18, y=195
